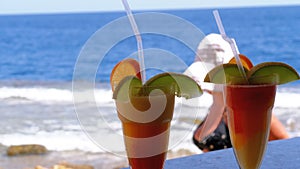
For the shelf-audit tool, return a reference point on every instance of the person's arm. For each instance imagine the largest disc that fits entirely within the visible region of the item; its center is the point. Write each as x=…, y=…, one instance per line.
x=213, y=117
x=277, y=130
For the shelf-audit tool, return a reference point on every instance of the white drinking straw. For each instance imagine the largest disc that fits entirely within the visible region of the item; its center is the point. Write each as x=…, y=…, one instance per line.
x=231, y=42
x=138, y=39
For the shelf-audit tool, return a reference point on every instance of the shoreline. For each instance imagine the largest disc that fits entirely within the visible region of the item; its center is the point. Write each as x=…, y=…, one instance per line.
x=72, y=157
x=51, y=158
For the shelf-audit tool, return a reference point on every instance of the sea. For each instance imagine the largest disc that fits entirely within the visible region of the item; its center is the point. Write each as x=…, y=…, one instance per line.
x=45, y=57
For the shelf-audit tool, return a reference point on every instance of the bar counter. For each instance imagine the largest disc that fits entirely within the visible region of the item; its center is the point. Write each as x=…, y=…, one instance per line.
x=280, y=154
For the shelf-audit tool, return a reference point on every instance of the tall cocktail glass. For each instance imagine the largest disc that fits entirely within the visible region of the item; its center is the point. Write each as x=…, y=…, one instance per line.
x=249, y=110
x=146, y=122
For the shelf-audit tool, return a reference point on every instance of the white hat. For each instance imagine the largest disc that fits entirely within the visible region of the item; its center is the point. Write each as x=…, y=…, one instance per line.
x=213, y=50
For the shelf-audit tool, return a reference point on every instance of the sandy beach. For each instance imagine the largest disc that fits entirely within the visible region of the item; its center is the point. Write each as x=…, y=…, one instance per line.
x=75, y=157
x=51, y=158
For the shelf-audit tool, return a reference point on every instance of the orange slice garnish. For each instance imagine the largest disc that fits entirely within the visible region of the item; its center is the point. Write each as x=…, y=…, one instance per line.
x=127, y=67
x=245, y=61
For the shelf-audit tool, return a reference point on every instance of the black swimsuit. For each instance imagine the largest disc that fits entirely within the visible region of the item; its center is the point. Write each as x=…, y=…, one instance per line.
x=219, y=139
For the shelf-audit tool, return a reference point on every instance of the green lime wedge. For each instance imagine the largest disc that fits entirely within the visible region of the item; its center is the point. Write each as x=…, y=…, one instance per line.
x=184, y=86
x=225, y=74
x=281, y=72
x=125, y=86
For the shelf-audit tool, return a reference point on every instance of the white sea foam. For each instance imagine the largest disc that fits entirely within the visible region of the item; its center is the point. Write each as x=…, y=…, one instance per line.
x=43, y=94
x=285, y=98
x=56, y=133
x=36, y=94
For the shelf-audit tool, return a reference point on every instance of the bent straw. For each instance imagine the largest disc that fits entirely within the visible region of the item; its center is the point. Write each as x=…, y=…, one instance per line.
x=231, y=42
x=138, y=39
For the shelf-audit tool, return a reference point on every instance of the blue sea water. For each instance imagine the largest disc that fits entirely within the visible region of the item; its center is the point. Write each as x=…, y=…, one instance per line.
x=38, y=54
x=45, y=47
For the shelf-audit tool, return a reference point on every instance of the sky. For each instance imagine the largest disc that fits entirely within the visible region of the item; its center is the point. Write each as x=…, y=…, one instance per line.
x=73, y=6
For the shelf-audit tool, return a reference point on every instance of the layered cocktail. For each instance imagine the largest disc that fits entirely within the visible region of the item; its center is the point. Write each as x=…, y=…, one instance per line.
x=249, y=109
x=146, y=127
x=249, y=101
x=146, y=111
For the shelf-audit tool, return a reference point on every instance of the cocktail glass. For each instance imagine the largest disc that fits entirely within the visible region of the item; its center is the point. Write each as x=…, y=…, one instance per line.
x=249, y=110
x=146, y=119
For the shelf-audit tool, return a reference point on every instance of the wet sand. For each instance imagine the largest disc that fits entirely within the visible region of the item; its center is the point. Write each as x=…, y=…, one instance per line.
x=76, y=157
x=48, y=160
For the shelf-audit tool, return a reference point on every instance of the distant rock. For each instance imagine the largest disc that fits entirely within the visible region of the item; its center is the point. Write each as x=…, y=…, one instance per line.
x=26, y=149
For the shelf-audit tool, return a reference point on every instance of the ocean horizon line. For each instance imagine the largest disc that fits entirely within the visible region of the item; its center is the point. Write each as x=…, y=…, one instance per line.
x=163, y=10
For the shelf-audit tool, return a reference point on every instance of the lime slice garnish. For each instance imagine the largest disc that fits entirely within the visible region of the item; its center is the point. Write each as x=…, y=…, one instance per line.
x=263, y=73
x=225, y=73
x=123, y=90
x=284, y=73
x=184, y=86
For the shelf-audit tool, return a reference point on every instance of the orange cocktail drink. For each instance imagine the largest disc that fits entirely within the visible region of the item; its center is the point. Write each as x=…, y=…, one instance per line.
x=146, y=126
x=146, y=110
x=249, y=110
x=250, y=93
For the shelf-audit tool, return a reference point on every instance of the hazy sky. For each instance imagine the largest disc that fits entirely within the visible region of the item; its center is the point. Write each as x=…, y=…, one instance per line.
x=50, y=6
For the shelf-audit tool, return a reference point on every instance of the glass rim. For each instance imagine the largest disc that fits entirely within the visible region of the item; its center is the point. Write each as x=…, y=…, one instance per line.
x=249, y=85
x=261, y=80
